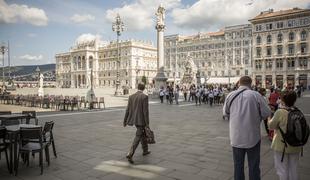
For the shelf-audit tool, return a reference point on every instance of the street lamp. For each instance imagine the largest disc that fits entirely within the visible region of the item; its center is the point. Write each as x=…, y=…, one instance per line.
x=3, y=49
x=38, y=73
x=118, y=27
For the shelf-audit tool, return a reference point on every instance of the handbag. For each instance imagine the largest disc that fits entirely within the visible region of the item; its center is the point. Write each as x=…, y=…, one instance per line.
x=150, y=138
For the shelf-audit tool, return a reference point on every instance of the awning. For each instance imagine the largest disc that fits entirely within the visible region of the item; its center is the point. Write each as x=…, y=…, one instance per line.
x=222, y=80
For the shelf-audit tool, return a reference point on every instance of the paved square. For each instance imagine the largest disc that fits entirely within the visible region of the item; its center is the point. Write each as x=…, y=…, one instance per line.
x=192, y=143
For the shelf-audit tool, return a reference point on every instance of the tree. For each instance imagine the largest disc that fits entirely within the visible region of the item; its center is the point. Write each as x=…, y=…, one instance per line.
x=144, y=79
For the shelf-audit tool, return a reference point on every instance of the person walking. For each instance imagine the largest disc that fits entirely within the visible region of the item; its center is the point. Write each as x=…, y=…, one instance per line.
x=185, y=93
x=171, y=95
x=177, y=94
x=167, y=94
x=211, y=96
x=274, y=97
x=161, y=94
x=137, y=114
x=286, y=170
x=245, y=109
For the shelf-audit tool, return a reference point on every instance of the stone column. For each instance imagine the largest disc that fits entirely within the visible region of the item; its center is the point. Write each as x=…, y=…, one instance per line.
x=160, y=78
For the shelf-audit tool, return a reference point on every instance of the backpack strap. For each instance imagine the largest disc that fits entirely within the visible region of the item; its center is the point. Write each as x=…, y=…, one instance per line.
x=285, y=144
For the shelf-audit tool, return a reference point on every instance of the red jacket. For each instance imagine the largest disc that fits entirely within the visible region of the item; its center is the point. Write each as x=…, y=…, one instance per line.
x=273, y=98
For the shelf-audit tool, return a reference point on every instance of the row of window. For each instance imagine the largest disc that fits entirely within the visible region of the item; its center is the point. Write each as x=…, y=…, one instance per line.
x=291, y=50
x=280, y=24
x=303, y=63
x=291, y=37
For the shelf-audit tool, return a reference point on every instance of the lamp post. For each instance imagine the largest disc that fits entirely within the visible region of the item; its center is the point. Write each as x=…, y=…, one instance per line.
x=118, y=27
x=38, y=73
x=3, y=49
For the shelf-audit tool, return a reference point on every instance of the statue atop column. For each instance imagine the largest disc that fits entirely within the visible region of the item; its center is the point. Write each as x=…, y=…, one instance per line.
x=160, y=15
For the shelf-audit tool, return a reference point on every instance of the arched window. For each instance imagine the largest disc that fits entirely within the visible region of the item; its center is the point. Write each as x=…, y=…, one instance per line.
x=79, y=62
x=90, y=62
x=280, y=37
x=303, y=35
x=291, y=36
x=258, y=40
x=269, y=39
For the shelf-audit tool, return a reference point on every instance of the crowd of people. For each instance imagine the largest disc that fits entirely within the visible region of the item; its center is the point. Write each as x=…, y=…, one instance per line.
x=207, y=94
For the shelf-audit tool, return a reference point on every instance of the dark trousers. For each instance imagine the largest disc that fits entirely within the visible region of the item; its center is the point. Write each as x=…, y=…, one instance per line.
x=140, y=137
x=210, y=101
x=185, y=96
x=161, y=99
x=253, y=155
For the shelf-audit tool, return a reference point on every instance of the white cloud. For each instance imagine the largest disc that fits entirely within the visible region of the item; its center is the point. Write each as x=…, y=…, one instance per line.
x=30, y=57
x=214, y=14
x=14, y=13
x=81, y=18
x=87, y=37
x=140, y=14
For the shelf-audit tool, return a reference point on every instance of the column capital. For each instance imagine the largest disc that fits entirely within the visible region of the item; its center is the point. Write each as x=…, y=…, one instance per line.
x=160, y=27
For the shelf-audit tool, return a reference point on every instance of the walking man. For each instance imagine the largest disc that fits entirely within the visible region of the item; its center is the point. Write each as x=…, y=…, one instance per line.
x=137, y=114
x=245, y=109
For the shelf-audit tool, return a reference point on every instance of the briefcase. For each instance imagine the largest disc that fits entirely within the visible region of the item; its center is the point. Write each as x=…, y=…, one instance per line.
x=150, y=138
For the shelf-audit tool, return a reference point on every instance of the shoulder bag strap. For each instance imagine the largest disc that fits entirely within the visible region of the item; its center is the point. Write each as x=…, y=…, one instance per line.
x=232, y=100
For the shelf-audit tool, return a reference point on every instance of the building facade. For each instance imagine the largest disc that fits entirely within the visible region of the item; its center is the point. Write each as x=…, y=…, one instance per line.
x=226, y=53
x=281, y=55
x=137, y=59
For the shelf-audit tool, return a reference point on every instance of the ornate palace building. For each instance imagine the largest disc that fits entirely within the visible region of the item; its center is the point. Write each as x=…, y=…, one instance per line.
x=281, y=55
x=74, y=68
x=224, y=54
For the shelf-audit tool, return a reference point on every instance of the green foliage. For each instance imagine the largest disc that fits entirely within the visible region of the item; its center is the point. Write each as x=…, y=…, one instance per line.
x=144, y=79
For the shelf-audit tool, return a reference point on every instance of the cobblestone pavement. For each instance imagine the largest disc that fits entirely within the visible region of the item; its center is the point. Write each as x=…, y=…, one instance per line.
x=192, y=143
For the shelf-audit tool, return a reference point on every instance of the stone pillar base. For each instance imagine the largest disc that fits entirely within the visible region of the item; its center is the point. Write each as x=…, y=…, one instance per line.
x=160, y=80
x=41, y=92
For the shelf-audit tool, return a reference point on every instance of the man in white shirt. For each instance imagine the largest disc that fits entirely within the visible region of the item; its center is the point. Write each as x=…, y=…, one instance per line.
x=245, y=108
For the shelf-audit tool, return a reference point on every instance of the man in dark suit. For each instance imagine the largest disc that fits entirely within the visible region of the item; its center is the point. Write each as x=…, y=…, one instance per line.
x=137, y=113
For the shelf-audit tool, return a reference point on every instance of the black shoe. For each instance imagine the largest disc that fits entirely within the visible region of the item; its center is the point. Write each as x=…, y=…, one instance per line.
x=129, y=158
x=146, y=153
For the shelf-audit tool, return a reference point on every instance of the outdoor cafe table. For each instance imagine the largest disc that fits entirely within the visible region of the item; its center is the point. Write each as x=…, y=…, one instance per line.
x=13, y=131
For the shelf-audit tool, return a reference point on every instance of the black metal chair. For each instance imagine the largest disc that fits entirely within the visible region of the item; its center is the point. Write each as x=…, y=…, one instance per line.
x=31, y=141
x=48, y=139
x=5, y=112
x=31, y=115
x=10, y=122
x=4, y=145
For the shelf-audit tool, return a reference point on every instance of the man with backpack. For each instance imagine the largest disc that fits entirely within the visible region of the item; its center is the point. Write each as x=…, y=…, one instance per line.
x=291, y=133
x=245, y=109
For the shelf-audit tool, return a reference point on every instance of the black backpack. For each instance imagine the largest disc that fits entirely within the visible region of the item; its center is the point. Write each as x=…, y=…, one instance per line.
x=297, y=131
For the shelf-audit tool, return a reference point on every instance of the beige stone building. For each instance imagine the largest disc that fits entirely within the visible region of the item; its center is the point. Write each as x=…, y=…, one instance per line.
x=74, y=68
x=217, y=55
x=281, y=55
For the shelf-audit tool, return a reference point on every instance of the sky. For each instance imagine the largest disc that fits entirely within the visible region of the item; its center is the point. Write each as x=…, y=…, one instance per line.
x=38, y=29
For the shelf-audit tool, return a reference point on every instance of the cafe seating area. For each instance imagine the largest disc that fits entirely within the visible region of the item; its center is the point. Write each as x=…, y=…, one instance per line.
x=58, y=103
x=22, y=135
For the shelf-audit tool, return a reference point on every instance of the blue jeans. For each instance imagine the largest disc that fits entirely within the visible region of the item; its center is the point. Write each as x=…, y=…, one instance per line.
x=253, y=155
